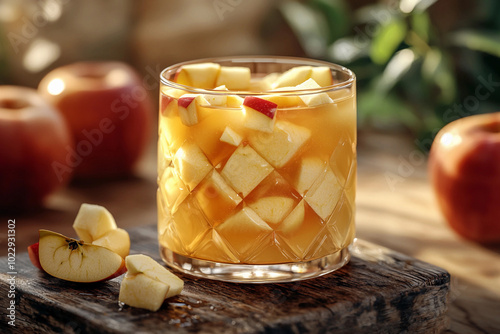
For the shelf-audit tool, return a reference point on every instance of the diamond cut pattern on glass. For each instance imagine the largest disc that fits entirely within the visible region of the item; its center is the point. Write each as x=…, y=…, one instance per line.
x=190, y=223
x=216, y=198
x=342, y=159
x=324, y=194
x=341, y=223
x=212, y=247
x=172, y=189
x=272, y=249
x=243, y=230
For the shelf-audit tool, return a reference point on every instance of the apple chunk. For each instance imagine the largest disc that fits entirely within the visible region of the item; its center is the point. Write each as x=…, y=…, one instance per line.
x=74, y=260
x=201, y=75
x=92, y=222
x=313, y=100
x=147, y=283
x=234, y=78
x=116, y=240
x=189, y=105
x=259, y=113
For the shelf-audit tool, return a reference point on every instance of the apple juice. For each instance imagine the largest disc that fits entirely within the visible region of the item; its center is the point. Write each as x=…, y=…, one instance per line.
x=258, y=175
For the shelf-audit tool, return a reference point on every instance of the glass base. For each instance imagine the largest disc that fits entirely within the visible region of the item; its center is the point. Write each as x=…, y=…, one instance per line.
x=253, y=273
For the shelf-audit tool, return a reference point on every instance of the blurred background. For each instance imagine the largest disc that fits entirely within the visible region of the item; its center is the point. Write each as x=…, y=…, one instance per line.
x=420, y=63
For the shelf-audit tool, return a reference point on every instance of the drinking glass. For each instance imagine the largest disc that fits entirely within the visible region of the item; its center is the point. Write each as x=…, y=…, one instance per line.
x=252, y=191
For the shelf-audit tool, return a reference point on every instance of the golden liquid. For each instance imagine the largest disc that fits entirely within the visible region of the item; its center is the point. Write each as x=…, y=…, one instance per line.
x=201, y=216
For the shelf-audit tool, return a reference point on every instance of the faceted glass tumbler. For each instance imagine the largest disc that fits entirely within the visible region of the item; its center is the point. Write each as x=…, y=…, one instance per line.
x=256, y=168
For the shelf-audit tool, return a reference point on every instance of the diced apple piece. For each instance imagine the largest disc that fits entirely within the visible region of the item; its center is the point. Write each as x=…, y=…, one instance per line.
x=235, y=78
x=116, y=240
x=272, y=209
x=216, y=197
x=312, y=100
x=147, y=283
x=198, y=75
x=245, y=169
x=259, y=113
x=322, y=75
x=234, y=101
x=242, y=227
x=267, y=82
x=294, y=220
x=282, y=144
x=74, y=260
x=284, y=101
x=310, y=169
x=324, y=194
x=231, y=137
x=293, y=76
x=92, y=222
x=189, y=108
x=191, y=164
x=217, y=100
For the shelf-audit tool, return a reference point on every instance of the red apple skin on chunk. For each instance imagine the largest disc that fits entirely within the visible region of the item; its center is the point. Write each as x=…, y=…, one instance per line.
x=265, y=107
x=33, y=254
x=464, y=166
x=185, y=101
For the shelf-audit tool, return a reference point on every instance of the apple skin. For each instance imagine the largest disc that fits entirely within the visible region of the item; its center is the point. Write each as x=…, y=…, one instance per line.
x=265, y=107
x=33, y=137
x=464, y=166
x=33, y=252
x=109, y=112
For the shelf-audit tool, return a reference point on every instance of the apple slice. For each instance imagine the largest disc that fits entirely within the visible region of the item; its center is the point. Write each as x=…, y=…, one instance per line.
x=116, y=240
x=235, y=78
x=74, y=260
x=189, y=105
x=272, y=209
x=259, y=113
x=230, y=136
x=245, y=169
x=201, y=75
x=267, y=82
x=280, y=146
x=234, y=101
x=92, y=222
x=310, y=169
x=33, y=252
x=313, y=100
x=147, y=283
x=293, y=77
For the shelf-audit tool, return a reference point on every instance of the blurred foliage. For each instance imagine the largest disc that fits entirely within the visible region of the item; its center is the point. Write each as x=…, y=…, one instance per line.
x=409, y=73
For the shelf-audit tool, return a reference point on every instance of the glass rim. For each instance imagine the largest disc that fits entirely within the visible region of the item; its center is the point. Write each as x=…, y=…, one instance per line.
x=298, y=61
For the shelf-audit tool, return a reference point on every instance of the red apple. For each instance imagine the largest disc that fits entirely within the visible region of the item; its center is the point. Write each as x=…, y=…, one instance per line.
x=464, y=166
x=109, y=112
x=34, y=140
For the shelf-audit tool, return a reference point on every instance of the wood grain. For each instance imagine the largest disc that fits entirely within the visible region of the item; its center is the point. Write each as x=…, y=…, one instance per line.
x=379, y=291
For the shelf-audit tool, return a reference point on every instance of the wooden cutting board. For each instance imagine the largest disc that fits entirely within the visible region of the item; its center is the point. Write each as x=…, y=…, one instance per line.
x=379, y=291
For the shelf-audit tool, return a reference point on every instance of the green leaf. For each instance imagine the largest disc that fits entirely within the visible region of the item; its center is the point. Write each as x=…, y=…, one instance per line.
x=387, y=41
x=483, y=41
x=337, y=17
x=385, y=109
x=437, y=69
x=309, y=26
x=396, y=68
x=421, y=24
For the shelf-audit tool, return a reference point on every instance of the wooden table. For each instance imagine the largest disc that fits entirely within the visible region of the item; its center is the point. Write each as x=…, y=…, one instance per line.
x=395, y=209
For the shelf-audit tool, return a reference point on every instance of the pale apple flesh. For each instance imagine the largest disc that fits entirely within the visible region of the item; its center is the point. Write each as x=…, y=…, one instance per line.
x=464, y=165
x=147, y=283
x=74, y=260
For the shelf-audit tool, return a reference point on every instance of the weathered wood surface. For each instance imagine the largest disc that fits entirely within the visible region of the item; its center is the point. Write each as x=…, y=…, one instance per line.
x=379, y=291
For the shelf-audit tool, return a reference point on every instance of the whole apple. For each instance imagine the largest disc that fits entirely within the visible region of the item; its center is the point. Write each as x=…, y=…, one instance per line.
x=464, y=166
x=109, y=113
x=34, y=140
